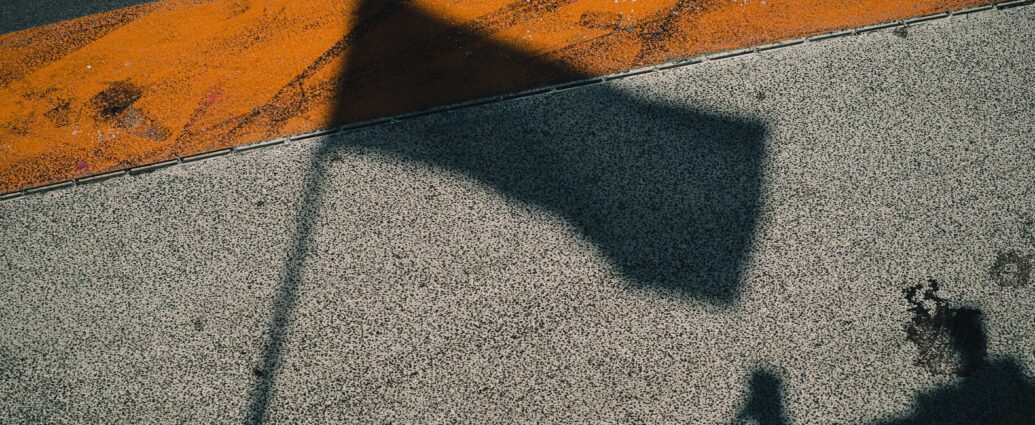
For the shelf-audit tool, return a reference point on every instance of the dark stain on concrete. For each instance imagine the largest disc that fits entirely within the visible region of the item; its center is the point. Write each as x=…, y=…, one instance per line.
x=607, y=21
x=114, y=106
x=1012, y=269
x=39, y=94
x=951, y=341
x=140, y=124
x=114, y=100
x=20, y=127
x=58, y=115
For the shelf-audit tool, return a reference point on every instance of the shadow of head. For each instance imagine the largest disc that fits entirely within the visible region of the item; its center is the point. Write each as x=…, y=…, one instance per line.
x=669, y=193
x=764, y=405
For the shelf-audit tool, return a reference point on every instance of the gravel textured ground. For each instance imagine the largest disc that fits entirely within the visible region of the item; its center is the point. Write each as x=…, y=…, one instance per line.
x=21, y=14
x=837, y=232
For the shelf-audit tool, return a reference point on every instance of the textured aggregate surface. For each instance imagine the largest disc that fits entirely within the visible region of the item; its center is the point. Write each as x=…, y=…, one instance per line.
x=21, y=14
x=171, y=79
x=726, y=242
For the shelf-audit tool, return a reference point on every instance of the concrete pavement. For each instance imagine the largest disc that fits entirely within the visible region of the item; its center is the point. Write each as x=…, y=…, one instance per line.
x=17, y=15
x=835, y=232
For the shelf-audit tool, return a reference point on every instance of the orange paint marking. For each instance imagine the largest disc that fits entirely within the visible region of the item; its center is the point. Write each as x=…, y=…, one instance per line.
x=153, y=82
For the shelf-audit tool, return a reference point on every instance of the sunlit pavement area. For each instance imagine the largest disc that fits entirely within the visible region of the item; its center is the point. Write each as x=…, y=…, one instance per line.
x=839, y=231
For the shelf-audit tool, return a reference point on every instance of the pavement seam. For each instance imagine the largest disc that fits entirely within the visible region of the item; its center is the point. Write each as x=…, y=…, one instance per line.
x=538, y=91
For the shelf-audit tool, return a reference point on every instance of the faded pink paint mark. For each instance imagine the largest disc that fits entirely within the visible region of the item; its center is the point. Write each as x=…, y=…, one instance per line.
x=213, y=96
x=81, y=166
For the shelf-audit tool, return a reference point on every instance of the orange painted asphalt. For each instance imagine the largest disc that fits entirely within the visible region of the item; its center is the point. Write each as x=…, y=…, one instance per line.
x=154, y=82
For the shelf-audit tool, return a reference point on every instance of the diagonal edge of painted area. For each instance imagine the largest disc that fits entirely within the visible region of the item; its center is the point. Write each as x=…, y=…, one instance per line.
x=137, y=129
x=540, y=91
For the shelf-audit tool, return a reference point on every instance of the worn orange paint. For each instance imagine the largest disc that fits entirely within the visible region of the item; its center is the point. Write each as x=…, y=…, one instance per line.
x=154, y=82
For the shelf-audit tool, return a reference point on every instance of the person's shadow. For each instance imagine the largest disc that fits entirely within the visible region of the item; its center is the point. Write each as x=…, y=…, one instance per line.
x=765, y=399
x=669, y=194
x=988, y=391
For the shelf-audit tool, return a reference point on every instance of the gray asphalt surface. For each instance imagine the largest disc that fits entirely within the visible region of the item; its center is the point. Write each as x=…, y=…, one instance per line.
x=514, y=262
x=21, y=14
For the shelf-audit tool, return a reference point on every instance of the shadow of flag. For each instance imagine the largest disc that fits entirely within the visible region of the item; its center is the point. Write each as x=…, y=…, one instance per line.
x=670, y=195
